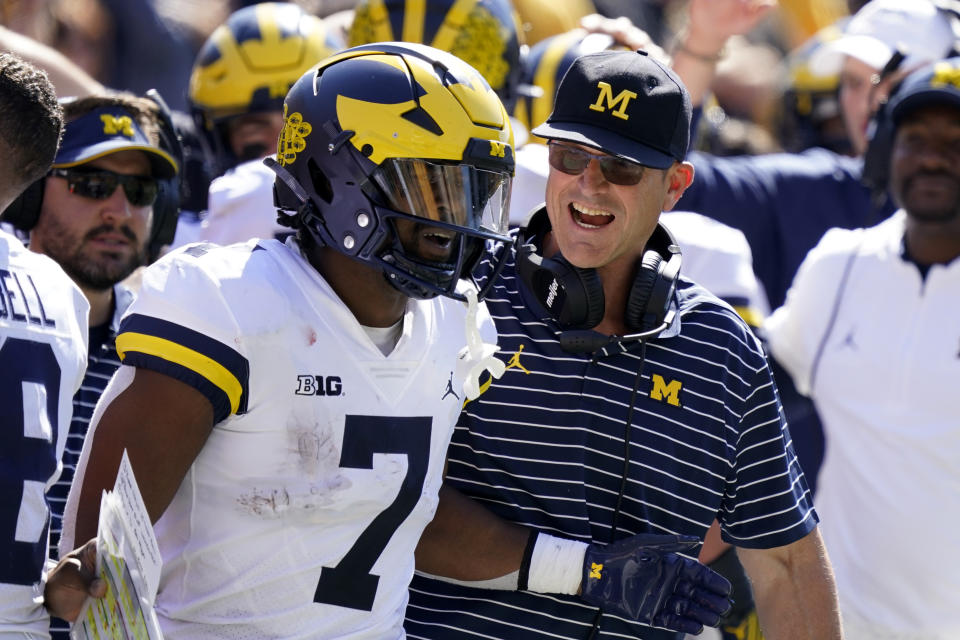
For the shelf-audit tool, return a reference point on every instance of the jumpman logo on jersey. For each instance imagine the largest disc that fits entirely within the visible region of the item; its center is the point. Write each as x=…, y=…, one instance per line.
x=450, y=391
x=514, y=362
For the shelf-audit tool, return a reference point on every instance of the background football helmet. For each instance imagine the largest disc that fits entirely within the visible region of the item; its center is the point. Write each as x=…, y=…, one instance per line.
x=484, y=33
x=544, y=66
x=393, y=132
x=248, y=64
x=810, y=112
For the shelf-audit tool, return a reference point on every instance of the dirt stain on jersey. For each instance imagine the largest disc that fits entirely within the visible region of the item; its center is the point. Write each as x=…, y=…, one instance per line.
x=285, y=501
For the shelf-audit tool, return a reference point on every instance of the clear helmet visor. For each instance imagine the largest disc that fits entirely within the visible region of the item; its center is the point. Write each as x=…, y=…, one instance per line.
x=454, y=194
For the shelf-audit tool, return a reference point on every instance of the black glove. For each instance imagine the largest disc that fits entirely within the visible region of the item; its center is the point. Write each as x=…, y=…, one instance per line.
x=643, y=578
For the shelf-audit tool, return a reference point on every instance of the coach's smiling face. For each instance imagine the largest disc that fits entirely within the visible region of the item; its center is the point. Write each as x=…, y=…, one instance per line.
x=601, y=225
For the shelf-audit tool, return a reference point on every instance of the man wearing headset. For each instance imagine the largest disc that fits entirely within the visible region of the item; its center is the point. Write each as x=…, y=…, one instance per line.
x=633, y=402
x=93, y=214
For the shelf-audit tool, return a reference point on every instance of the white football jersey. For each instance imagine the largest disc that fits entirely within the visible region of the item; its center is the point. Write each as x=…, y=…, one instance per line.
x=43, y=356
x=300, y=516
x=718, y=258
x=241, y=206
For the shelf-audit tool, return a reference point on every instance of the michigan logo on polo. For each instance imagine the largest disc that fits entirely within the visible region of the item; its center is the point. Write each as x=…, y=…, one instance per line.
x=606, y=95
x=664, y=391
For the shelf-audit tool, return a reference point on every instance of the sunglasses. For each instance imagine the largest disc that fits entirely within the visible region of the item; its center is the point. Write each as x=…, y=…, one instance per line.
x=573, y=161
x=141, y=191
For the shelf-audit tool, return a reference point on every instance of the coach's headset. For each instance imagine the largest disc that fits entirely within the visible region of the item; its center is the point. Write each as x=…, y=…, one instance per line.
x=574, y=297
x=24, y=212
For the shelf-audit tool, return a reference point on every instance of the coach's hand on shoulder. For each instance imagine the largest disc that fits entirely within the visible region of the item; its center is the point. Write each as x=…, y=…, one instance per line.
x=72, y=581
x=643, y=577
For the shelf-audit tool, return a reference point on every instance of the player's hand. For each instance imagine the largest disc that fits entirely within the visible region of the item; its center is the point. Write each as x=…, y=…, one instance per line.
x=72, y=581
x=643, y=577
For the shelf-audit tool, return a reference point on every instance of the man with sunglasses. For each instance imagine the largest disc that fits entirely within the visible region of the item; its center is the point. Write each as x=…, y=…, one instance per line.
x=43, y=325
x=633, y=402
x=92, y=214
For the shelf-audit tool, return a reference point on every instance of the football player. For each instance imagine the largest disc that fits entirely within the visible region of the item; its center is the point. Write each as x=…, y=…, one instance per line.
x=237, y=86
x=43, y=346
x=287, y=407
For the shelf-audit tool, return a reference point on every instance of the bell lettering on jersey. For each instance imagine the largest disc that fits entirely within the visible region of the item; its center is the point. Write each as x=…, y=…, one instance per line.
x=20, y=299
x=319, y=386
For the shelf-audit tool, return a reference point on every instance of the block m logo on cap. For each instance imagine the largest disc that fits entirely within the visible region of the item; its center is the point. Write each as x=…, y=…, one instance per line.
x=606, y=95
x=113, y=125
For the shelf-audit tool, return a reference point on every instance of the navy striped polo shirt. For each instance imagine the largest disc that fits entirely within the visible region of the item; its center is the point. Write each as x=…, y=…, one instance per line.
x=544, y=446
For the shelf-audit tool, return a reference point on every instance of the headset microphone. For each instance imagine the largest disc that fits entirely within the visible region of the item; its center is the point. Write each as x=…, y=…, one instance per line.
x=588, y=341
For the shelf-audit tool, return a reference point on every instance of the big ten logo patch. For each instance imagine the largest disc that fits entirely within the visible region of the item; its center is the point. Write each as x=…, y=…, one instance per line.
x=606, y=95
x=319, y=386
x=664, y=391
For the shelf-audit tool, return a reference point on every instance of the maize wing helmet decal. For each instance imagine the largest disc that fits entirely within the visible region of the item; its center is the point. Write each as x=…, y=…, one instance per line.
x=544, y=67
x=483, y=33
x=483, y=40
x=250, y=62
x=415, y=115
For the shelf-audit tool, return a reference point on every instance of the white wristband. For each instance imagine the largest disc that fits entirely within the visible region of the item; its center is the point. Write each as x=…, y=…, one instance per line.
x=556, y=565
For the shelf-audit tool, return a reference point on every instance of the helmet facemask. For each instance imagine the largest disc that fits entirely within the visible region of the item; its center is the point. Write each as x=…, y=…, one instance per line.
x=438, y=217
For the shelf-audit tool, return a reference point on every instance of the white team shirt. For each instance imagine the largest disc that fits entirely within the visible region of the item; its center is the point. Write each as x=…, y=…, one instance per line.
x=886, y=388
x=530, y=183
x=718, y=258
x=241, y=206
x=300, y=516
x=43, y=356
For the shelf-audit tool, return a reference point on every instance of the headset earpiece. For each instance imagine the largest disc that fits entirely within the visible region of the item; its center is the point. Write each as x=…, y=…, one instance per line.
x=166, y=208
x=574, y=296
x=24, y=212
x=637, y=315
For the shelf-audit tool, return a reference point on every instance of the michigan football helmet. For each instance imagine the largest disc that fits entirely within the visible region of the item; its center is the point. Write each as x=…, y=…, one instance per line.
x=392, y=136
x=544, y=66
x=810, y=112
x=248, y=64
x=484, y=33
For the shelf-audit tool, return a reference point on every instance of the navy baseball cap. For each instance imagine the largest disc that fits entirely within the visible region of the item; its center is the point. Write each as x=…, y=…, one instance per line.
x=934, y=84
x=106, y=130
x=623, y=103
